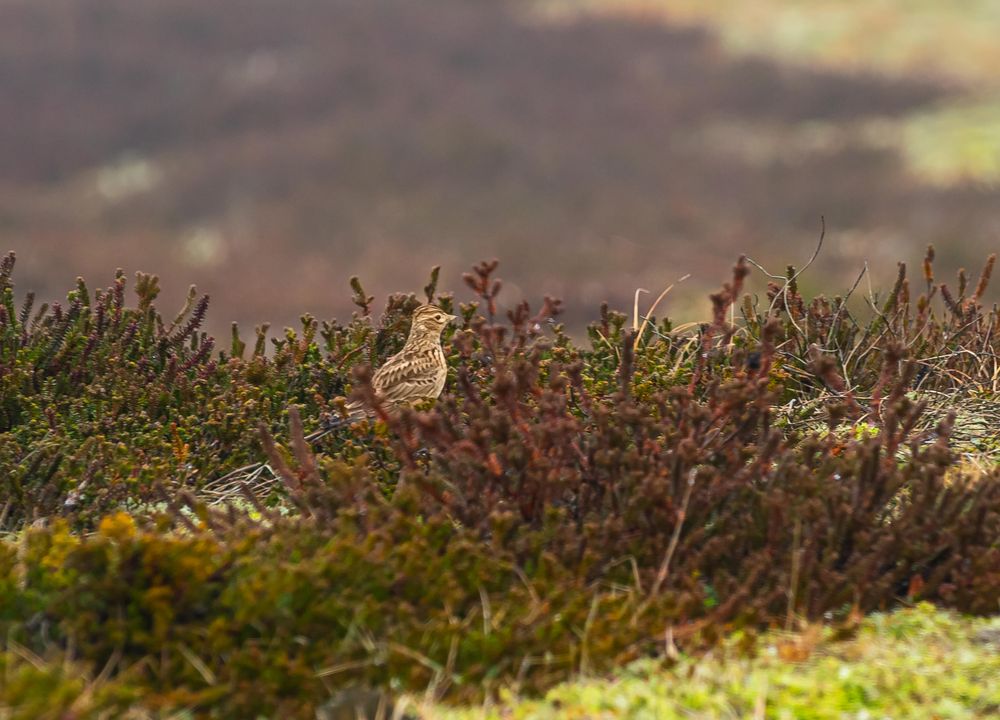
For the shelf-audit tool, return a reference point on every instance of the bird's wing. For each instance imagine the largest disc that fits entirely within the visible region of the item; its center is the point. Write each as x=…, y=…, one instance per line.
x=405, y=378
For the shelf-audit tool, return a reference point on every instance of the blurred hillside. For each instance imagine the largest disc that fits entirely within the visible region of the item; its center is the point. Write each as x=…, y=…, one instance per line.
x=957, y=140
x=268, y=151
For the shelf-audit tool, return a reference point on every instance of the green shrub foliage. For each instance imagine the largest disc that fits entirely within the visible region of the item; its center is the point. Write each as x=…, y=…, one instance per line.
x=562, y=508
x=101, y=404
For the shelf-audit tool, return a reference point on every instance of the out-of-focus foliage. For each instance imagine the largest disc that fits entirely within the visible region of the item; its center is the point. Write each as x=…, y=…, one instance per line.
x=955, y=40
x=558, y=510
x=325, y=138
x=917, y=663
x=952, y=143
x=961, y=142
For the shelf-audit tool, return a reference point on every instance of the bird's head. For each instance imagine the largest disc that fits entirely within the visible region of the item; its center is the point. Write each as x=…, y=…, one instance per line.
x=430, y=319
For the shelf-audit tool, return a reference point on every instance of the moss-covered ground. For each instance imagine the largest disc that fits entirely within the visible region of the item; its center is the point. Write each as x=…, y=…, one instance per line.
x=917, y=663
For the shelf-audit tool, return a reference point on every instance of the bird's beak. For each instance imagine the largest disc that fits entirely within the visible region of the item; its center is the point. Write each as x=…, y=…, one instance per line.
x=452, y=318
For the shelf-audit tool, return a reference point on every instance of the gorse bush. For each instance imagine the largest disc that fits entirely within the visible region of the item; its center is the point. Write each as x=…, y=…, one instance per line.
x=562, y=508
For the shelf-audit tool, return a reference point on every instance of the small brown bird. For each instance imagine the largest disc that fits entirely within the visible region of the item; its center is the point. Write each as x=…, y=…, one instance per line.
x=417, y=372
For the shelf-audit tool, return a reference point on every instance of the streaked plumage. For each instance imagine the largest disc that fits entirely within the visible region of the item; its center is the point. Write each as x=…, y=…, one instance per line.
x=417, y=372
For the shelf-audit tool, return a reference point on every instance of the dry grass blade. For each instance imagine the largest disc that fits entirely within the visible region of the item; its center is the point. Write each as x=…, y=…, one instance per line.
x=258, y=476
x=664, y=570
x=652, y=309
x=25, y=654
x=260, y=481
x=342, y=667
x=198, y=664
x=635, y=307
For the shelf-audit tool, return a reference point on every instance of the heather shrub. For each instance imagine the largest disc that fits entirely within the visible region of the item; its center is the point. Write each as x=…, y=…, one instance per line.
x=562, y=508
x=102, y=406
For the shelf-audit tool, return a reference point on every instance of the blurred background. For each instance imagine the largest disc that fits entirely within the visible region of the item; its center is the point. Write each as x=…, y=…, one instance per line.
x=267, y=150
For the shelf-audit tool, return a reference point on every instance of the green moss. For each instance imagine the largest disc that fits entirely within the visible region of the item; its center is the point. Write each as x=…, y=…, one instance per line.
x=917, y=663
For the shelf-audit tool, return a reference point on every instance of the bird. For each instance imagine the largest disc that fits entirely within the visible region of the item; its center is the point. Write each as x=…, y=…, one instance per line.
x=417, y=372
